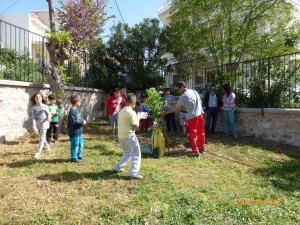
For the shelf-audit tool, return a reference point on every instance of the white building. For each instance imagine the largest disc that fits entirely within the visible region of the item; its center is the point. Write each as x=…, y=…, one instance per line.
x=25, y=33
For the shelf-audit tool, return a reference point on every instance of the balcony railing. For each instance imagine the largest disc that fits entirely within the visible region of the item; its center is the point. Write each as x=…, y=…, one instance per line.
x=24, y=56
x=166, y=5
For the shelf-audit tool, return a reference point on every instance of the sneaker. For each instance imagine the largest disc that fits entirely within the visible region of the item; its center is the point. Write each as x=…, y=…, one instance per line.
x=194, y=154
x=36, y=156
x=120, y=170
x=202, y=151
x=80, y=158
x=136, y=176
x=48, y=148
x=75, y=160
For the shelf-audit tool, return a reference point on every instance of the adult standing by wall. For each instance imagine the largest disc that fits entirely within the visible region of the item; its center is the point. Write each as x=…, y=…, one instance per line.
x=191, y=101
x=212, y=103
x=229, y=108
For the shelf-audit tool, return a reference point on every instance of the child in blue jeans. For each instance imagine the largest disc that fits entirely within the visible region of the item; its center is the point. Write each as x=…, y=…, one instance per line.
x=75, y=128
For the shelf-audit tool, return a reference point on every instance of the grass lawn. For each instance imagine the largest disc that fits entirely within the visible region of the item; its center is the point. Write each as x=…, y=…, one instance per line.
x=244, y=181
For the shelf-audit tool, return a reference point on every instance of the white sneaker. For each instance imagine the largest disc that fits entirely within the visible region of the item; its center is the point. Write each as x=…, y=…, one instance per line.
x=136, y=176
x=48, y=148
x=36, y=156
x=120, y=170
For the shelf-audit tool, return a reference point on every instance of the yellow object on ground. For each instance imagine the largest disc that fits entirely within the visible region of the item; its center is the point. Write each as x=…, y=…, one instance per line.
x=159, y=140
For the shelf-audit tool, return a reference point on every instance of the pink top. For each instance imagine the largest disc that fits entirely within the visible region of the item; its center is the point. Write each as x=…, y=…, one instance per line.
x=229, y=102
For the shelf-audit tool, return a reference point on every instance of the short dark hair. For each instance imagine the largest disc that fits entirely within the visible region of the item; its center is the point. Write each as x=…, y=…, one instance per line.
x=117, y=90
x=51, y=97
x=212, y=85
x=180, y=84
x=123, y=86
x=74, y=98
x=167, y=89
x=130, y=98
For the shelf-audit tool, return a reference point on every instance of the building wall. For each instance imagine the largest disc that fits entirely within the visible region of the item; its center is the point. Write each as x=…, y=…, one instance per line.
x=20, y=20
x=15, y=119
x=24, y=33
x=15, y=39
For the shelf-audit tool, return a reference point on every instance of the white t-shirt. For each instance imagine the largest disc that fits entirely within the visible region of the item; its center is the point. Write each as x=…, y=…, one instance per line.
x=127, y=118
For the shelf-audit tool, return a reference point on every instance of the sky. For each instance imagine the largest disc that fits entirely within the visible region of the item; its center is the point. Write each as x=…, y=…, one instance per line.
x=133, y=11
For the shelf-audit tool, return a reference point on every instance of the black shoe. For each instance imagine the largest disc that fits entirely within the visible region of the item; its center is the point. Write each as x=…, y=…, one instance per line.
x=75, y=160
x=202, y=151
x=80, y=158
x=194, y=154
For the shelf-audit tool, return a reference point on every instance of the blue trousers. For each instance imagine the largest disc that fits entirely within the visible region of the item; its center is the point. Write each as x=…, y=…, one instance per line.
x=230, y=121
x=76, y=147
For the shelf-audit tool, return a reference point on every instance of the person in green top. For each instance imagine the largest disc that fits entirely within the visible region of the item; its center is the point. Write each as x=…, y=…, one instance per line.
x=54, y=110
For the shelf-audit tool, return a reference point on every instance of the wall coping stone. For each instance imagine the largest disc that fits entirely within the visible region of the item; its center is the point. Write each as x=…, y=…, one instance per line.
x=270, y=110
x=45, y=86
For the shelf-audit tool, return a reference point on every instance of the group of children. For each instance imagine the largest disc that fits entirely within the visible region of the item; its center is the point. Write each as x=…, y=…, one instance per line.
x=116, y=102
x=45, y=121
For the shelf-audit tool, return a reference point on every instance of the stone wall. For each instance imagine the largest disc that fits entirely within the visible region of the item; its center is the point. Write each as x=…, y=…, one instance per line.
x=15, y=119
x=279, y=125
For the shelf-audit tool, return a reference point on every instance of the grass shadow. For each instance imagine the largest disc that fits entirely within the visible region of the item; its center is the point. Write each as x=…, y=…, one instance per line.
x=283, y=175
x=102, y=150
x=7, y=154
x=67, y=177
x=288, y=150
x=25, y=163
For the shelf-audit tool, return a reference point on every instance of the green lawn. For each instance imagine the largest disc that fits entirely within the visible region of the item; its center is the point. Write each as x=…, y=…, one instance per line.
x=244, y=181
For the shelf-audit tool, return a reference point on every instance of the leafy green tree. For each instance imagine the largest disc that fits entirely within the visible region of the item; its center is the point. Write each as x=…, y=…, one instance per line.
x=132, y=56
x=104, y=72
x=228, y=31
x=139, y=52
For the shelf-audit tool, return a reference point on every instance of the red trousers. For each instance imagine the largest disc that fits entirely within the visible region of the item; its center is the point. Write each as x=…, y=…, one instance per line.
x=195, y=132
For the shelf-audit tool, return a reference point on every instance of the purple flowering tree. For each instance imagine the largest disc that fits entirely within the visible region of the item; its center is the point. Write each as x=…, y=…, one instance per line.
x=80, y=23
x=84, y=19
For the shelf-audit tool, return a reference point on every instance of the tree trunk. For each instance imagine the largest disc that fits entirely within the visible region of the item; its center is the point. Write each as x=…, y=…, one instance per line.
x=58, y=55
x=51, y=15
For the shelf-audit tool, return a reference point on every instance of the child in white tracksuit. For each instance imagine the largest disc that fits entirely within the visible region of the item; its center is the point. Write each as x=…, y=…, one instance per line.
x=128, y=121
x=41, y=118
